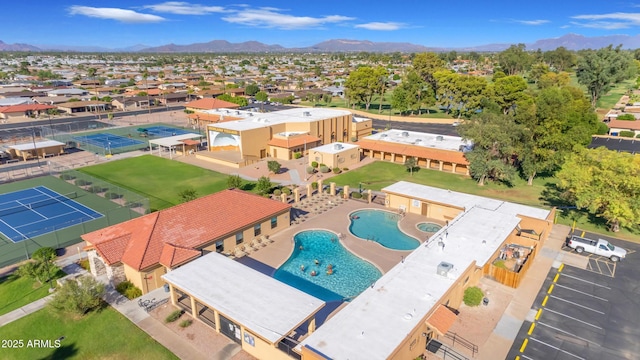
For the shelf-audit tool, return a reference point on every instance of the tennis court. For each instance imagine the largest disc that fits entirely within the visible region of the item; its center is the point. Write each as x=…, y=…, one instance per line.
x=39, y=210
x=107, y=140
x=165, y=131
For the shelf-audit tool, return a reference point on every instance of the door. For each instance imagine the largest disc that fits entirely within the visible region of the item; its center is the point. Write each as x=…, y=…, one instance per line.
x=230, y=329
x=263, y=153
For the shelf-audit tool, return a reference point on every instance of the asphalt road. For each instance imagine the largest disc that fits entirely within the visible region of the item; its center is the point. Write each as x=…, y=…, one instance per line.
x=589, y=313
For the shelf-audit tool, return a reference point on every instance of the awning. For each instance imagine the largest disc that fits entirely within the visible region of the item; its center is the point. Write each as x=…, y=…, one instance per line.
x=442, y=319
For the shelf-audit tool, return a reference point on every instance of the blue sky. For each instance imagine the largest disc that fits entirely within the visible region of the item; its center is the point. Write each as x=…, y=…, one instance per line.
x=458, y=23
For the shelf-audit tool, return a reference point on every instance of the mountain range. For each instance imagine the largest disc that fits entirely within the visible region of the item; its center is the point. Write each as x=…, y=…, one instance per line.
x=569, y=41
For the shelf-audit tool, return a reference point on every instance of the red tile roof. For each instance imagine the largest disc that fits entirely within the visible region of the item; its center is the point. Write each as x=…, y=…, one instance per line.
x=456, y=157
x=25, y=107
x=142, y=242
x=211, y=103
x=294, y=141
x=442, y=319
x=622, y=124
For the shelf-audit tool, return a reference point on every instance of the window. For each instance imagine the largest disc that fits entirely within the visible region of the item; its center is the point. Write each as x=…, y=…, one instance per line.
x=466, y=280
x=256, y=230
x=274, y=222
x=239, y=238
x=220, y=246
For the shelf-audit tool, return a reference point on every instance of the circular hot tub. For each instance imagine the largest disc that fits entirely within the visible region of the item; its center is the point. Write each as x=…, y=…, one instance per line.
x=429, y=227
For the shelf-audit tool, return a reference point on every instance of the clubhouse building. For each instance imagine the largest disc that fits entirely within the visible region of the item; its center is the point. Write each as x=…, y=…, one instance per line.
x=279, y=134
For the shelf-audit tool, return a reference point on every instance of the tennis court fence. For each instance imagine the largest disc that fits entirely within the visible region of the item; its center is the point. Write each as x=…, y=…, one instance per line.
x=85, y=141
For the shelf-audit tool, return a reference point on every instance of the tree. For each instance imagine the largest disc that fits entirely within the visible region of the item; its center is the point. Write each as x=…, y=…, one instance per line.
x=274, y=166
x=262, y=96
x=426, y=65
x=549, y=79
x=264, y=185
x=560, y=59
x=599, y=70
x=515, y=59
x=42, y=266
x=362, y=84
x=411, y=163
x=537, y=70
x=251, y=89
x=78, y=297
x=507, y=91
x=604, y=182
x=460, y=94
x=234, y=181
x=188, y=194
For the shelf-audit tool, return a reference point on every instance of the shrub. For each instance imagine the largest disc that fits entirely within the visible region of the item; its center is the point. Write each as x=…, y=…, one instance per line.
x=84, y=263
x=324, y=169
x=602, y=129
x=500, y=264
x=321, y=165
x=472, y=296
x=286, y=191
x=133, y=204
x=297, y=155
x=67, y=177
x=277, y=192
x=274, y=166
x=638, y=136
x=175, y=315
x=128, y=290
x=185, y=323
x=356, y=195
x=354, y=139
x=95, y=189
x=112, y=195
x=628, y=134
x=336, y=170
x=310, y=170
x=314, y=185
x=314, y=164
x=345, y=169
x=82, y=182
x=78, y=297
x=626, y=117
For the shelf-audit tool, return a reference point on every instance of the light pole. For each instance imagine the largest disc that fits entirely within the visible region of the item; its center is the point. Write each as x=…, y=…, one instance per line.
x=35, y=148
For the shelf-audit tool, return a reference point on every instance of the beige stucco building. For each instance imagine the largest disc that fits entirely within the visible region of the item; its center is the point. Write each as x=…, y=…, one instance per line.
x=338, y=154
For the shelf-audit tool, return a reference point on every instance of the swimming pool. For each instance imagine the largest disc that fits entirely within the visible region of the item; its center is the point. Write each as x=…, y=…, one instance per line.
x=429, y=227
x=350, y=274
x=381, y=226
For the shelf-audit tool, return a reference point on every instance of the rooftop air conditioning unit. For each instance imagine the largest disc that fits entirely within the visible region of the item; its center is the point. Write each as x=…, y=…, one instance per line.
x=405, y=134
x=444, y=268
x=250, y=114
x=237, y=112
x=306, y=113
x=439, y=138
x=383, y=135
x=337, y=146
x=418, y=141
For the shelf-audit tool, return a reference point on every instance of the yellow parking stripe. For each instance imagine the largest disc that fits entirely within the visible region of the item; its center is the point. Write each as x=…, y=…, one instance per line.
x=538, y=313
x=560, y=267
x=544, y=302
x=555, y=279
x=550, y=289
x=533, y=326
x=524, y=345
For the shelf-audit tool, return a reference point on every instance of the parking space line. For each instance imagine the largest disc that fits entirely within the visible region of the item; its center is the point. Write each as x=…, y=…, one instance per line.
x=576, y=304
x=566, y=332
x=523, y=356
x=581, y=292
x=588, y=282
x=533, y=326
x=572, y=318
x=524, y=344
x=557, y=348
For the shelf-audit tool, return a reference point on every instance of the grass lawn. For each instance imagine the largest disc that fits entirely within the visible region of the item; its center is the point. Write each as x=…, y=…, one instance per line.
x=104, y=334
x=158, y=179
x=17, y=291
x=541, y=194
x=609, y=100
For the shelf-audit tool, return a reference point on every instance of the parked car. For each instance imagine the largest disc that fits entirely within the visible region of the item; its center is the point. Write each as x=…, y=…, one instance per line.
x=598, y=247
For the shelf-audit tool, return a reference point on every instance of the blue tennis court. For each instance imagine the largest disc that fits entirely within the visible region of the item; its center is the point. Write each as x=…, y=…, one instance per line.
x=37, y=211
x=107, y=141
x=165, y=131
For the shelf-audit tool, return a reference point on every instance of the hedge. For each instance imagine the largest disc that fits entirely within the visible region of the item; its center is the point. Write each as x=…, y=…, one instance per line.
x=286, y=190
x=628, y=134
x=277, y=192
x=630, y=117
x=356, y=195
x=175, y=315
x=112, y=195
x=128, y=290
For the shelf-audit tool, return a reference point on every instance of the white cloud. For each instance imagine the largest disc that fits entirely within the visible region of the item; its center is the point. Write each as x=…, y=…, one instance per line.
x=184, y=8
x=611, y=21
x=272, y=18
x=531, y=22
x=381, y=26
x=122, y=15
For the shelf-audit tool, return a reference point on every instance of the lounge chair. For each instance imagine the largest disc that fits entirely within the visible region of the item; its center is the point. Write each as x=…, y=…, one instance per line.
x=265, y=239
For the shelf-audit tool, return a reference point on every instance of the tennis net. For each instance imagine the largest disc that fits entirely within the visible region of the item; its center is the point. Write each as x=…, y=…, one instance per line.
x=37, y=204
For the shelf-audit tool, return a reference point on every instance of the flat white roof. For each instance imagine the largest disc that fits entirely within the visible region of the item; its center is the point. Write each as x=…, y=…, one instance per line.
x=359, y=119
x=462, y=200
x=428, y=140
x=39, y=145
x=174, y=140
x=255, y=120
x=334, y=148
x=265, y=306
x=379, y=319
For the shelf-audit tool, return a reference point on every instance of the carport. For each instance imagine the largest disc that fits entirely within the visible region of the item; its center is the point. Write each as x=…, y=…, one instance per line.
x=185, y=142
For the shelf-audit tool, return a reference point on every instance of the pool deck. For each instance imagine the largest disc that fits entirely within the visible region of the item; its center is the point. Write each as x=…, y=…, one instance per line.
x=336, y=219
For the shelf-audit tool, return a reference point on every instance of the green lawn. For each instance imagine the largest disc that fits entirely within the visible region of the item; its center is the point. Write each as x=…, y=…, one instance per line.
x=158, y=179
x=609, y=100
x=104, y=334
x=17, y=291
x=541, y=194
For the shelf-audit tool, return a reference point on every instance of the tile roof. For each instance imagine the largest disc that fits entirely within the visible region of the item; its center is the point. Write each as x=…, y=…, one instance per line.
x=456, y=157
x=624, y=124
x=294, y=141
x=442, y=319
x=25, y=107
x=211, y=103
x=142, y=242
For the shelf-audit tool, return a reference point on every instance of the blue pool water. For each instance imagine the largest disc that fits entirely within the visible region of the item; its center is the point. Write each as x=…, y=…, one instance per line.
x=429, y=227
x=351, y=275
x=381, y=226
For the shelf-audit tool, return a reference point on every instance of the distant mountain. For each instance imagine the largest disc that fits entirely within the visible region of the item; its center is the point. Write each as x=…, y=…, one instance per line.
x=569, y=41
x=217, y=46
x=17, y=47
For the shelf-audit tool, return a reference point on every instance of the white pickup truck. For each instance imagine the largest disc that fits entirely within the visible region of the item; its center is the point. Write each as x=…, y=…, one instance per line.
x=598, y=247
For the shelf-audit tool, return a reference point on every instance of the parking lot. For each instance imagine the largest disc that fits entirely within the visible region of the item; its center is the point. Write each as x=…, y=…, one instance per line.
x=585, y=312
